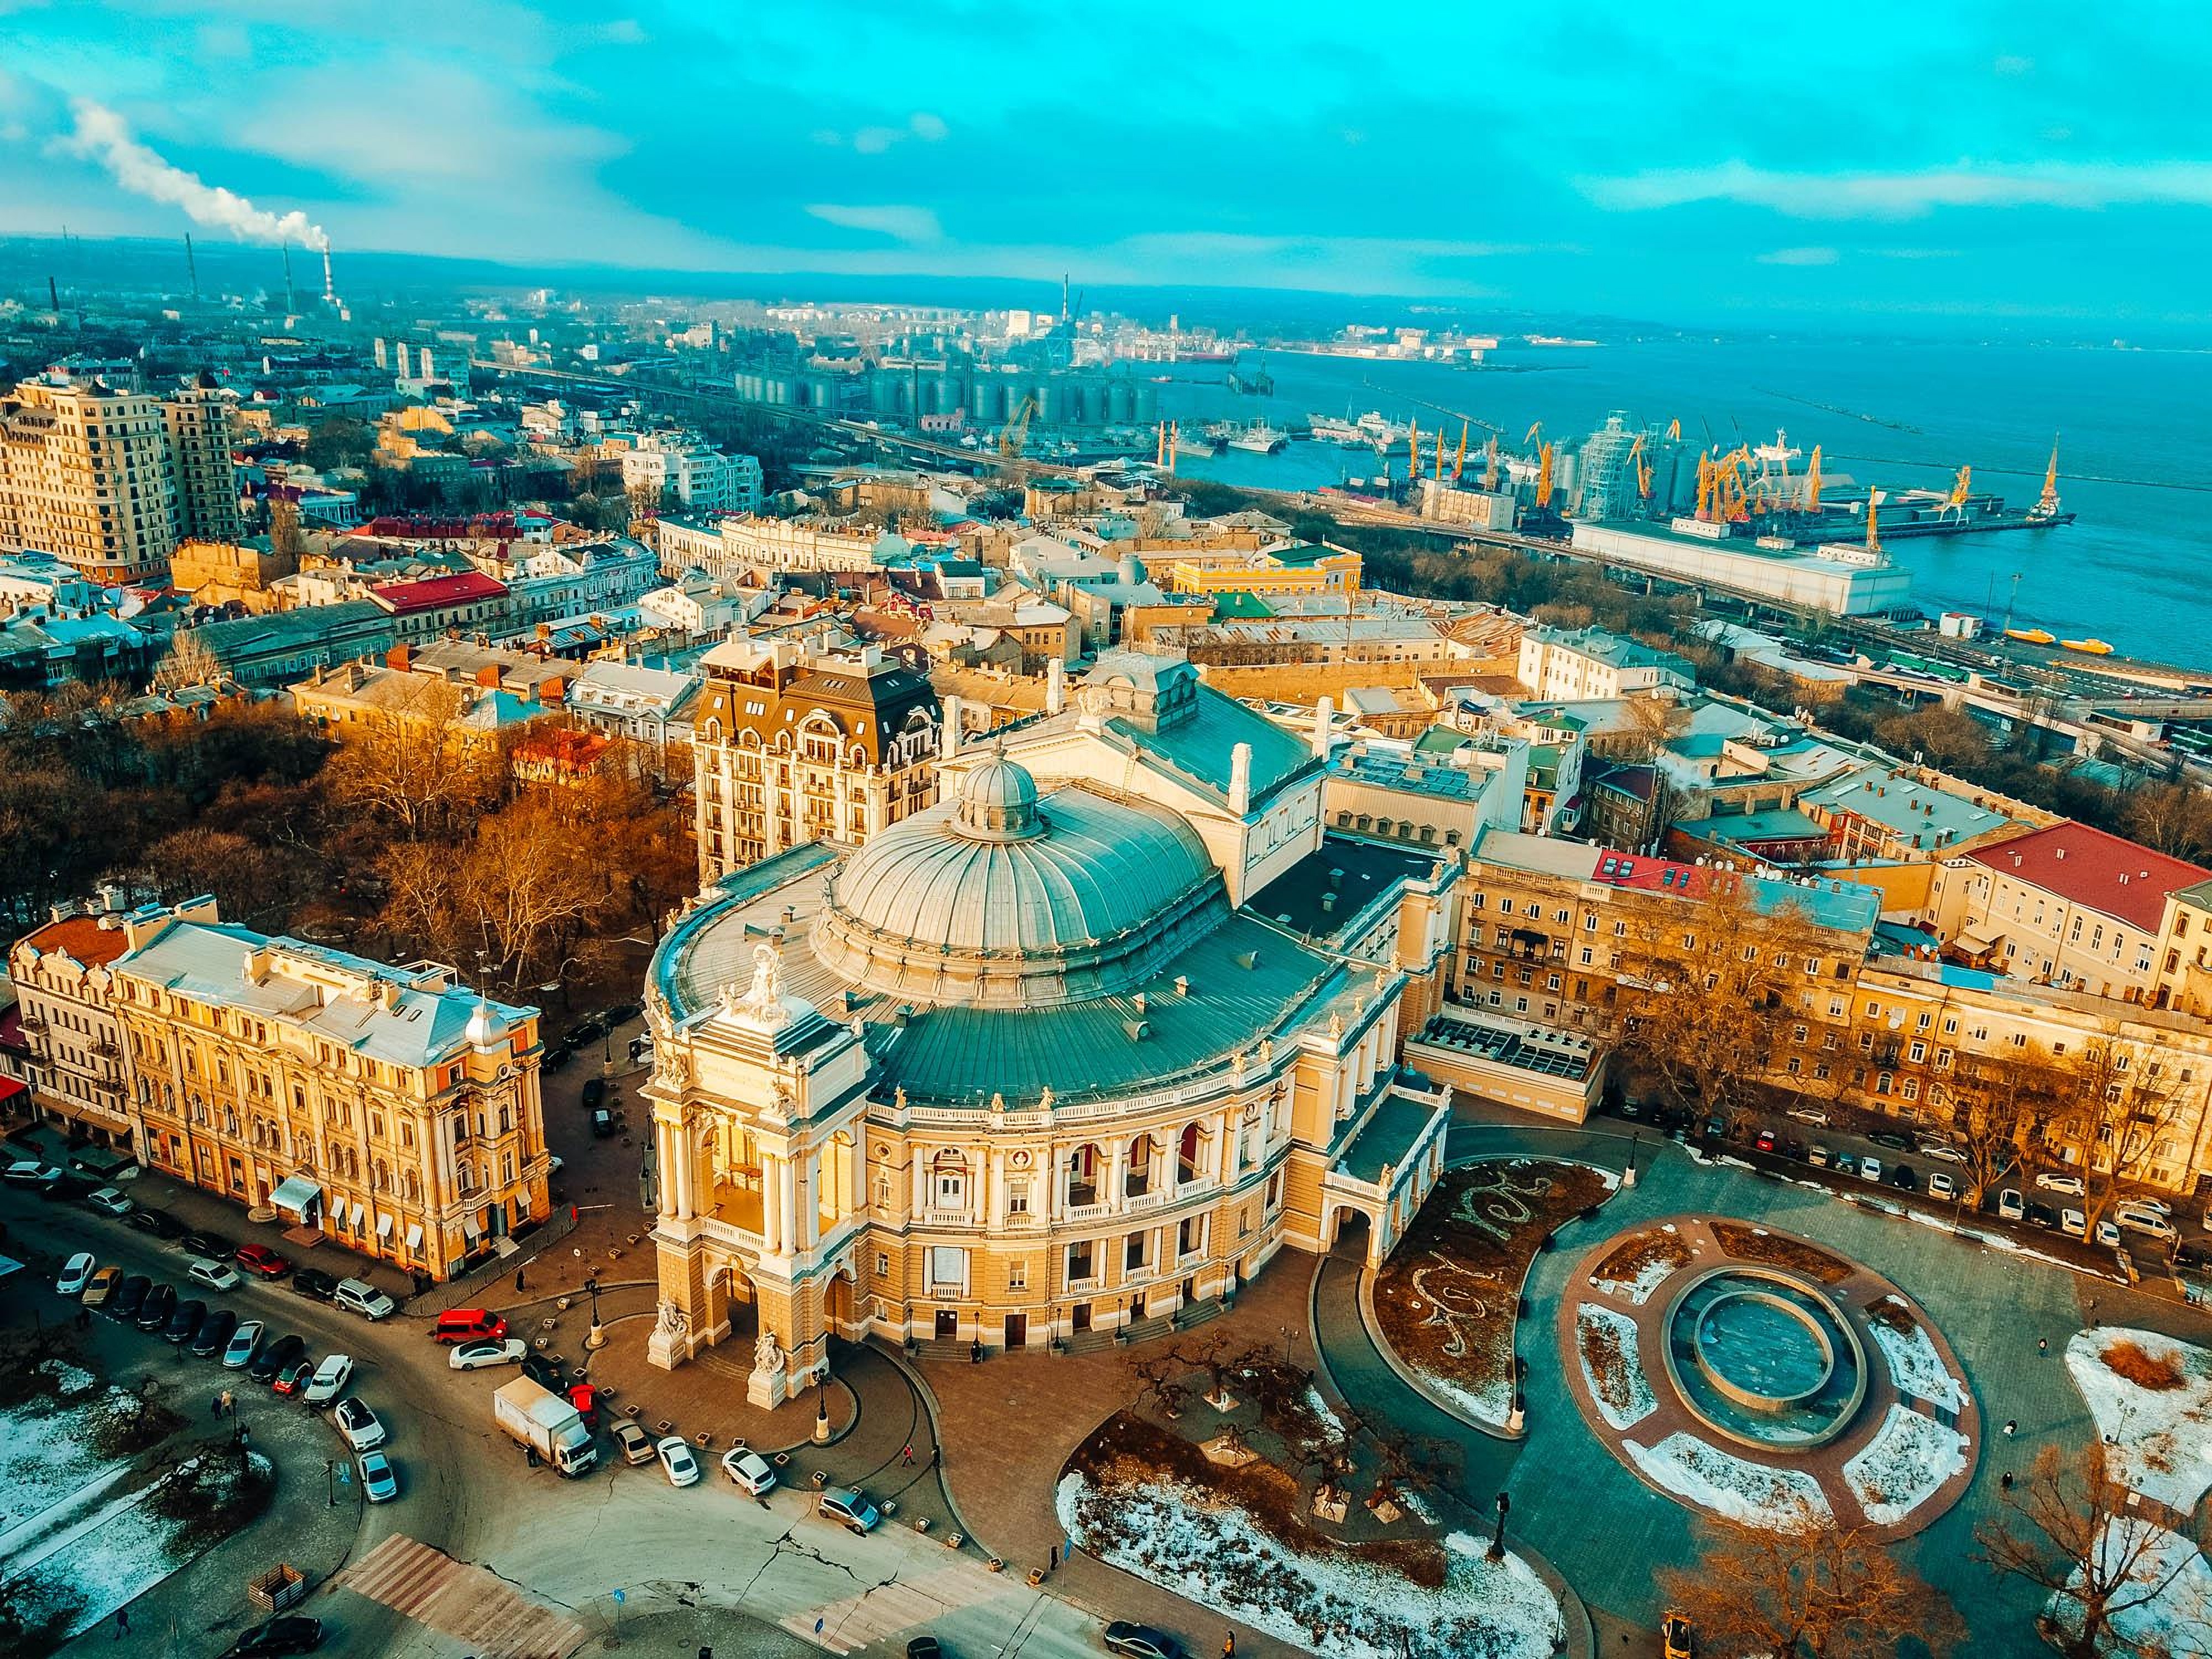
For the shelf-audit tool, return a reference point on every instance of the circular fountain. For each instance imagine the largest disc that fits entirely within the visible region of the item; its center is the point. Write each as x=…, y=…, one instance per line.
x=1765, y=1359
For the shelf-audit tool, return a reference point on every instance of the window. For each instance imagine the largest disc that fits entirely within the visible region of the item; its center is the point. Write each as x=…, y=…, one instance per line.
x=948, y=1267
x=1917, y=1053
x=1078, y=1260
x=1018, y=1198
x=1017, y=1276
x=1133, y=1252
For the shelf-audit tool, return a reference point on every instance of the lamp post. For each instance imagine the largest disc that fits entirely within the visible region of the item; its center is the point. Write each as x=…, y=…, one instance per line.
x=822, y=1402
x=1496, y=1551
x=596, y=1338
x=330, y=1480
x=1635, y=1140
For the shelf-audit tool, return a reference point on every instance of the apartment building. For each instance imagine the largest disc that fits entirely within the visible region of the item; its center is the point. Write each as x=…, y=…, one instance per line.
x=391, y=1108
x=1590, y=663
x=86, y=474
x=201, y=420
x=63, y=974
x=790, y=745
x=704, y=480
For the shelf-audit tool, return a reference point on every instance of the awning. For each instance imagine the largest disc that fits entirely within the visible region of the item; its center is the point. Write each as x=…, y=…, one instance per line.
x=384, y=1225
x=358, y=1214
x=296, y=1195
x=11, y=1087
x=414, y=1236
x=1980, y=937
x=469, y=1231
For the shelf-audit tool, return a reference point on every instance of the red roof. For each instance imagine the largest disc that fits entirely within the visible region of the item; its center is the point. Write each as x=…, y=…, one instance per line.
x=1654, y=875
x=81, y=937
x=436, y=592
x=2100, y=873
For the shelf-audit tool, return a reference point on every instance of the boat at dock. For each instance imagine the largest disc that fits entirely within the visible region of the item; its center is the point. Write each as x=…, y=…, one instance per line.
x=1257, y=438
x=2032, y=636
x=2089, y=647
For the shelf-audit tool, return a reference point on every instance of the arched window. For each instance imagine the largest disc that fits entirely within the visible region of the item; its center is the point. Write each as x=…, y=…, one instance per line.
x=1192, y=1147
x=1083, y=1174
x=1138, y=1179
x=948, y=1180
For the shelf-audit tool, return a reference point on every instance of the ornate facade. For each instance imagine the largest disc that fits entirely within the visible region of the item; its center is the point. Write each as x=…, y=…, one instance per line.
x=1022, y=1066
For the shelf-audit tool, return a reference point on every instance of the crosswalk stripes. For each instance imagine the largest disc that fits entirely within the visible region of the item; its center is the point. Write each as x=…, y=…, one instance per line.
x=465, y=1602
x=850, y=1625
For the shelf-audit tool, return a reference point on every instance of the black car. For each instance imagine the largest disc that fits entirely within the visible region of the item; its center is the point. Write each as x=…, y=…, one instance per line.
x=621, y=1014
x=154, y=1314
x=2042, y=1215
x=70, y=1186
x=185, y=1323
x=923, y=1647
x=604, y=1124
x=542, y=1369
x=159, y=1223
x=210, y=1246
x=315, y=1283
x=215, y=1336
x=130, y=1297
x=1903, y=1177
x=595, y=1092
x=284, y=1351
x=555, y=1057
x=287, y=1633
x=590, y=1029
x=1791, y=1147
x=1140, y=1641
x=1891, y=1138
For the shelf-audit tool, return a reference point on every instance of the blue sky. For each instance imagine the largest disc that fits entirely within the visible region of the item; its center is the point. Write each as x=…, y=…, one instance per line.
x=1974, y=160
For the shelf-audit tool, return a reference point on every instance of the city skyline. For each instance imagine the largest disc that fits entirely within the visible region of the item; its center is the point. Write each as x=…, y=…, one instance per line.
x=1976, y=167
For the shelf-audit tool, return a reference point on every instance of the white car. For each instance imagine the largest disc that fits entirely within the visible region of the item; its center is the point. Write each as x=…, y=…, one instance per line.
x=216, y=1275
x=1870, y=1169
x=380, y=1484
x=2073, y=1224
x=849, y=1507
x=2059, y=1181
x=2145, y=1221
x=110, y=1201
x=358, y=1424
x=1941, y=1150
x=676, y=1462
x=245, y=1343
x=77, y=1274
x=29, y=1172
x=1940, y=1184
x=2010, y=1204
x=359, y=1296
x=631, y=1442
x=475, y=1356
x=2108, y=1234
x=1812, y=1114
x=749, y=1469
x=330, y=1380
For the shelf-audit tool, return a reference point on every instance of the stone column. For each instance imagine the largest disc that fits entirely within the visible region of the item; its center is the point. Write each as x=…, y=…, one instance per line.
x=771, y=1200
x=998, y=1200
x=1231, y=1135
x=1116, y=1177
x=789, y=1206
x=857, y=1177
x=810, y=1201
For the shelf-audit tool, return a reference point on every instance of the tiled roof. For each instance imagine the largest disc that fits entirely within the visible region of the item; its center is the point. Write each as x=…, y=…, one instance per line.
x=2099, y=872
x=434, y=592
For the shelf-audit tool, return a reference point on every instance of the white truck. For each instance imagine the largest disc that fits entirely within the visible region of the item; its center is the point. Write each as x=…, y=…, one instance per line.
x=540, y=1420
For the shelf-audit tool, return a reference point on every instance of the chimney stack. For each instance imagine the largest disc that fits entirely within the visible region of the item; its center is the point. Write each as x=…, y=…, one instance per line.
x=1240, y=779
x=1324, y=716
x=329, y=294
x=1055, y=686
x=948, y=740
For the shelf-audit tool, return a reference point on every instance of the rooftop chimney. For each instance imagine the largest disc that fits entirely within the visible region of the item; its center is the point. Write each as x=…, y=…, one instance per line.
x=1324, y=715
x=1055, y=686
x=1240, y=779
x=949, y=739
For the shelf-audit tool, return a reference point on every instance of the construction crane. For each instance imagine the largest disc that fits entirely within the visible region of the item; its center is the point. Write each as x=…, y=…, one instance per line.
x=1490, y=464
x=1459, y=461
x=1543, y=477
x=1412, y=451
x=1873, y=527
x=1015, y=433
x=1961, y=487
x=1534, y=432
x=1643, y=467
x=2047, y=506
x=1813, y=483
x=1675, y=430
x=1438, y=472
x=1704, y=488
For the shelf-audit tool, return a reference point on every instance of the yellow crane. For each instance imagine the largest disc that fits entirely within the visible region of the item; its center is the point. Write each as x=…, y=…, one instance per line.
x=1873, y=525
x=1961, y=487
x=1543, y=477
x=1643, y=467
x=1015, y=433
x=1490, y=464
x=1438, y=472
x=2046, y=506
x=1534, y=432
x=1412, y=449
x=1675, y=430
x=1459, y=460
x=1813, y=483
x=1704, y=488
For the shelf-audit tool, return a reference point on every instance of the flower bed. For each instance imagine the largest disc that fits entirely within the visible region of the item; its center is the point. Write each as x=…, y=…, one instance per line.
x=1448, y=1298
x=1606, y=1340
x=1732, y=1487
x=1914, y=1365
x=1749, y=1243
x=1640, y=1263
x=1904, y=1466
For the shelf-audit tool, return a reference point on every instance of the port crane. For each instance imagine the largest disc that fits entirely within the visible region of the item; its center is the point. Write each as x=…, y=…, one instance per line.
x=1459, y=461
x=1543, y=477
x=2046, y=506
x=1015, y=433
x=1961, y=487
x=1873, y=526
x=1414, y=451
x=1813, y=481
x=1643, y=468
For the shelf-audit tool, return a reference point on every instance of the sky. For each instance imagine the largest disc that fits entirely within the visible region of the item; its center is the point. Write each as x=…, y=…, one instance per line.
x=2013, y=159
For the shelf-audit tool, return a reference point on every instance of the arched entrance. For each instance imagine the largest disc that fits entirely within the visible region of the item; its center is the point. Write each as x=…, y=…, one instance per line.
x=731, y=1314
x=837, y=1305
x=1349, y=1233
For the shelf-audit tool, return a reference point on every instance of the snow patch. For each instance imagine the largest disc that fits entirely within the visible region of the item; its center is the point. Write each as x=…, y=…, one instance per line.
x=1320, y=1408
x=1915, y=1366
x=1904, y=1465
x=2158, y=1441
x=1188, y=1540
x=1623, y=1395
x=2172, y=1621
x=1752, y=1493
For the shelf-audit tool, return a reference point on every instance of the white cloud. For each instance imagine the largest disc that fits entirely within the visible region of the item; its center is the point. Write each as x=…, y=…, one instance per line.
x=1909, y=195
x=901, y=223
x=1799, y=256
x=930, y=129
x=874, y=141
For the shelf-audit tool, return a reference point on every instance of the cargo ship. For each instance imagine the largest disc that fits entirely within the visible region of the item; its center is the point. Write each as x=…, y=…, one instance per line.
x=1257, y=438
x=1373, y=430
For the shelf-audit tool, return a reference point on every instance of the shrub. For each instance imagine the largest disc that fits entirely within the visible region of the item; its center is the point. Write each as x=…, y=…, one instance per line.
x=2158, y=1372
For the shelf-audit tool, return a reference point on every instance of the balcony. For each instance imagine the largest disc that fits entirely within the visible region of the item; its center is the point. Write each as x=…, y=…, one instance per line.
x=1147, y=1201
x=939, y=1218
x=738, y=1208
x=1081, y=1212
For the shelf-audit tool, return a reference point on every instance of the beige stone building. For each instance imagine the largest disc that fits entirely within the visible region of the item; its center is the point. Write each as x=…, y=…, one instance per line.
x=63, y=974
x=202, y=423
x=86, y=475
x=790, y=746
x=1027, y=1065
x=391, y=1108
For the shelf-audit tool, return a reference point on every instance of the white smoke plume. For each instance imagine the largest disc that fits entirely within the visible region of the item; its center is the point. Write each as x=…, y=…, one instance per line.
x=102, y=136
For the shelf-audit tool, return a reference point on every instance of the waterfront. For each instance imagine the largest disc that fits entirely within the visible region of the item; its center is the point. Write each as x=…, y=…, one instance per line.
x=2128, y=570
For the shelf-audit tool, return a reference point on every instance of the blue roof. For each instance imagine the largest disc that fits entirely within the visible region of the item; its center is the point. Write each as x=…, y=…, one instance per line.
x=1200, y=745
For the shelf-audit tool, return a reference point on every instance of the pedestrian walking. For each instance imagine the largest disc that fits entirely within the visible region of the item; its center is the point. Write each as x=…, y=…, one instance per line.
x=2011, y=1427
x=517, y=1278
x=906, y=1457
x=122, y=1623
x=214, y=1406
x=2004, y=1480
x=2043, y=1346
x=1229, y=1646
x=229, y=1403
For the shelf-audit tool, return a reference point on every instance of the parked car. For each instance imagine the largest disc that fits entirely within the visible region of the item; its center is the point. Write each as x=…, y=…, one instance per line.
x=590, y=1029
x=159, y=1223
x=544, y=1369
x=1678, y=1638
x=676, y=1462
x=1941, y=1150
x=2108, y=1232
x=359, y=1424
x=329, y=1379
x=1791, y=1147
x=753, y=1472
x=2040, y=1214
x=1940, y=1184
x=245, y=1343
x=380, y=1484
x=1137, y=1641
x=621, y=1014
x=1904, y=1178
x=259, y=1259
x=1896, y=1140
x=28, y=1172
x=2073, y=1223
x=77, y=1274
x=2010, y=1204
x=1870, y=1168
x=1812, y=1114
x=358, y=1296
x=101, y=1286
x=287, y=1350
x=924, y=1647
x=314, y=1282
x=604, y=1126
x=2063, y=1181
x=635, y=1444
x=468, y=1325
x=1818, y=1156
x=110, y=1201
x=1763, y=1141
x=272, y=1637
x=586, y=1399
x=555, y=1057
x=849, y=1507
x=216, y=1275
x=214, y=1334
x=293, y=1380
x=475, y=1356
x=595, y=1092
x=212, y=1246
x=154, y=1313
x=185, y=1323
x=130, y=1297
x=2140, y=1216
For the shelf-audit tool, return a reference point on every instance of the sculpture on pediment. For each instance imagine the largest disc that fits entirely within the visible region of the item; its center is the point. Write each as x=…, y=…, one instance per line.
x=1044, y=1098
x=674, y=1320
x=767, y=1355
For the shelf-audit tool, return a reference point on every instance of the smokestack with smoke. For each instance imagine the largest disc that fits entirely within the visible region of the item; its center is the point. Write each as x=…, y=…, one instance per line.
x=102, y=136
x=329, y=294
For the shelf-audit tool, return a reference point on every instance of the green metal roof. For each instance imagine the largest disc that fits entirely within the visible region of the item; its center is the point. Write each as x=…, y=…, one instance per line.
x=1200, y=744
x=1240, y=606
x=1386, y=1138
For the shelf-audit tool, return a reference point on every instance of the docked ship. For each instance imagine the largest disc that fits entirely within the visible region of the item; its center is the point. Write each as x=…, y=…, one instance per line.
x=1372, y=430
x=1258, y=439
x=1199, y=446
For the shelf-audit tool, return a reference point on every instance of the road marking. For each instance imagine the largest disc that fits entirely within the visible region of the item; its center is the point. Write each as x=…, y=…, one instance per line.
x=852, y=1623
x=468, y=1603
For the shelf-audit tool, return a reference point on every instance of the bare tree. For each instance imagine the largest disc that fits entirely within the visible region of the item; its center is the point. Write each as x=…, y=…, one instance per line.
x=2120, y=1107
x=2176, y=818
x=1812, y=1591
x=413, y=764
x=188, y=664
x=1164, y=1379
x=2071, y=1527
x=1997, y=1103
x=527, y=887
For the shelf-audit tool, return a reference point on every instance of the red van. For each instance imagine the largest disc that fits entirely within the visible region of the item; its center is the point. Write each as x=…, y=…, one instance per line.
x=468, y=1325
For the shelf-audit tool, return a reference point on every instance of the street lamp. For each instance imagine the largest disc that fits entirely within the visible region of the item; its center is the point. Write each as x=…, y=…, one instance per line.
x=1635, y=1140
x=822, y=1402
x=596, y=1338
x=331, y=1478
x=1496, y=1551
